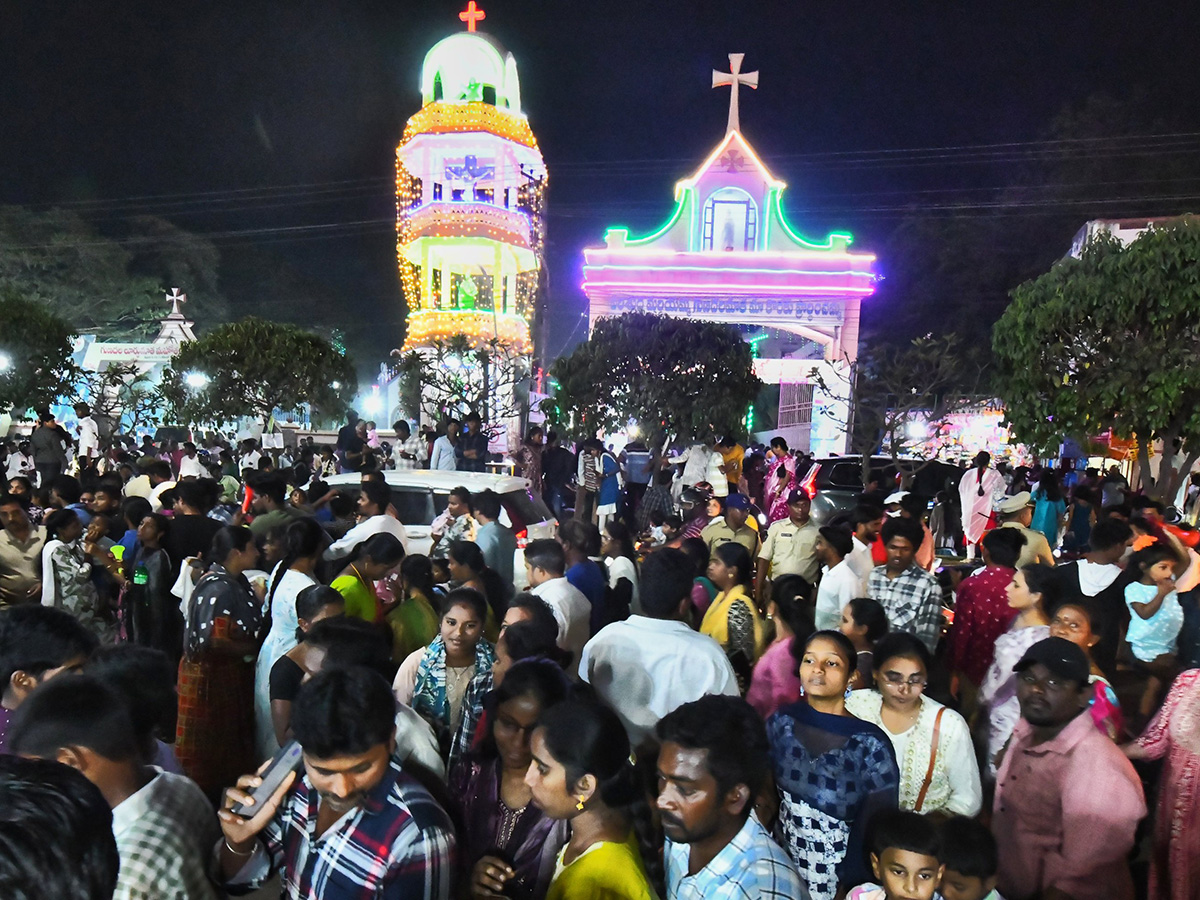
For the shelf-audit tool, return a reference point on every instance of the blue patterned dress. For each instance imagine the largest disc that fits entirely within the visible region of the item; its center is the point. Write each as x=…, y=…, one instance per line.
x=833, y=773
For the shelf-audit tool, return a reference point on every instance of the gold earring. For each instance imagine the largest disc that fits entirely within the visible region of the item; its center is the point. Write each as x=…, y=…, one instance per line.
x=579, y=805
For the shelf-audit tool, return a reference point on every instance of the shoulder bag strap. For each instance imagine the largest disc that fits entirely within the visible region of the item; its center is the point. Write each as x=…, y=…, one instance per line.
x=937, y=733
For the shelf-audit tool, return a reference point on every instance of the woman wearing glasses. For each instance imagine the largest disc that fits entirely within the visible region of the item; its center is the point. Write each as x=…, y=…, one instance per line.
x=938, y=772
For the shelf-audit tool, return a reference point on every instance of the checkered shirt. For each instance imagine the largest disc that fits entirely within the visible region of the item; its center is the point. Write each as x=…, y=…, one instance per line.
x=416, y=446
x=165, y=833
x=913, y=602
x=397, y=843
x=750, y=867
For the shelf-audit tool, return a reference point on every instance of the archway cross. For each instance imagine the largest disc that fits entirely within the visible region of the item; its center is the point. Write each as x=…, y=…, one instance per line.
x=734, y=78
x=471, y=15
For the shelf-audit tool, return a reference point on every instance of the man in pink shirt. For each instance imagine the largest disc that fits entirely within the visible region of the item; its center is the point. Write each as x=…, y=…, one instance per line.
x=982, y=614
x=1067, y=800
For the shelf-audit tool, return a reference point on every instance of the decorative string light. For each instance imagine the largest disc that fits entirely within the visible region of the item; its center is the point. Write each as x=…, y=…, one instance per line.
x=457, y=118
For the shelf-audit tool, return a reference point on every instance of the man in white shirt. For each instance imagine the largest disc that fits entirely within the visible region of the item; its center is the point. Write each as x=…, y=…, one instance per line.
x=190, y=464
x=866, y=522
x=650, y=665
x=89, y=437
x=545, y=564
x=839, y=583
x=443, y=458
x=250, y=456
x=21, y=463
x=373, y=502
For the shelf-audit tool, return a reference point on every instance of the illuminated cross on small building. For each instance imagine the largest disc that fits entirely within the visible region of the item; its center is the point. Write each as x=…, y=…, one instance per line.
x=734, y=78
x=471, y=15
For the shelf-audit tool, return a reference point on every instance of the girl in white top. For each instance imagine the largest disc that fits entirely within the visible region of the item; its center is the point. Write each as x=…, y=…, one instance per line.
x=619, y=557
x=938, y=772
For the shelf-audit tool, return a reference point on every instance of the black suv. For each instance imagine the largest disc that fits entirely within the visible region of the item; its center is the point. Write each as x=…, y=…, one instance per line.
x=835, y=483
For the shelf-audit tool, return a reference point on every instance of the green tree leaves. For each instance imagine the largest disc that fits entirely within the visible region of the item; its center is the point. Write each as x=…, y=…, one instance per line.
x=37, y=345
x=1110, y=340
x=670, y=376
x=251, y=368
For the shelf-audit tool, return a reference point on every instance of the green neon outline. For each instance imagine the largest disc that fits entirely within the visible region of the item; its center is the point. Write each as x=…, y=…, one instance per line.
x=837, y=240
x=633, y=242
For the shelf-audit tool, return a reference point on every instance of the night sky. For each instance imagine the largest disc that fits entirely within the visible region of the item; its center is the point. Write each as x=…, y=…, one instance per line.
x=279, y=121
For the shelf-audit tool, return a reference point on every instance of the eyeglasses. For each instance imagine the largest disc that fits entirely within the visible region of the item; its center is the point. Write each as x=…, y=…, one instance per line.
x=913, y=681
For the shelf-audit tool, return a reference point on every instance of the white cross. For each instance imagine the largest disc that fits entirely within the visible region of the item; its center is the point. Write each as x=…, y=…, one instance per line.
x=734, y=78
x=175, y=298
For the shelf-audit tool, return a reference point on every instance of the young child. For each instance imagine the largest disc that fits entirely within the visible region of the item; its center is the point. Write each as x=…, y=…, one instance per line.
x=672, y=527
x=1082, y=623
x=1155, y=618
x=658, y=537
x=864, y=621
x=905, y=857
x=968, y=854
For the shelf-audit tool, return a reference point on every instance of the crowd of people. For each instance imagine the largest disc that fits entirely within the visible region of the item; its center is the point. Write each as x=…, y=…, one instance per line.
x=692, y=691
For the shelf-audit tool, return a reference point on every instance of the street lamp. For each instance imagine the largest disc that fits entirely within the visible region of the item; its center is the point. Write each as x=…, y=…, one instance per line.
x=195, y=380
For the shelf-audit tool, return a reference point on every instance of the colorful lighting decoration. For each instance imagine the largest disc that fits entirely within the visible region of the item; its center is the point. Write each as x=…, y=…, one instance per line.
x=727, y=253
x=470, y=198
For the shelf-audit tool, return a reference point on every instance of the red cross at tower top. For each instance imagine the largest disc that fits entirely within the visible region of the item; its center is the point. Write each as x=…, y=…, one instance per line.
x=471, y=15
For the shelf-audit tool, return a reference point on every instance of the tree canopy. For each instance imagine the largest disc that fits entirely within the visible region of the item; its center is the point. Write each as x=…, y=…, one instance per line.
x=1110, y=340
x=253, y=367
x=667, y=375
x=454, y=377
x=110, y=283
x=37, y=345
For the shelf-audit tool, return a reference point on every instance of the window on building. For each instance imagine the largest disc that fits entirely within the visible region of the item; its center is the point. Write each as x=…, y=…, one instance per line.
x=795, y=404
x=730, y=221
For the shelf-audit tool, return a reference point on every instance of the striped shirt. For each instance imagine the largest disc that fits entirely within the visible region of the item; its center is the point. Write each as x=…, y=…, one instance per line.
x=750, y=867
x=398, y=843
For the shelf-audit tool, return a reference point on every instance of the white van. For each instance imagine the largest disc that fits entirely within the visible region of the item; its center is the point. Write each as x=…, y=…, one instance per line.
x=421, y=495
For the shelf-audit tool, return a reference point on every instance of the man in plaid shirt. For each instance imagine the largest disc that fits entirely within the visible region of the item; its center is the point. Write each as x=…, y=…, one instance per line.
x=353, y=825
x=910, y=595
x=410, y=451
x=712, y=763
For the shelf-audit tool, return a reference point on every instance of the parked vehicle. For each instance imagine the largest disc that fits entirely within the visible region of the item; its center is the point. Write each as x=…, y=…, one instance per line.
x=421, y=495
x=835, y=483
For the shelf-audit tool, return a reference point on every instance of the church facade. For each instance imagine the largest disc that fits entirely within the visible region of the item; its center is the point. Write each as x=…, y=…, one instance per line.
x=728, y=254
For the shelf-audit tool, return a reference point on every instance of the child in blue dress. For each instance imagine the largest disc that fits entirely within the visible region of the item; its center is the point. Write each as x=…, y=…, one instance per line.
x=1155, y=618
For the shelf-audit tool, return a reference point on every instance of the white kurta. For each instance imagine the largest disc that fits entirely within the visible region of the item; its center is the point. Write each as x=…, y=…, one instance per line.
x=977, y=509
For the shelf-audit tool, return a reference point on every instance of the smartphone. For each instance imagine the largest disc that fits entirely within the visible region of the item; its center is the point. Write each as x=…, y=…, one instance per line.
x=286, y=760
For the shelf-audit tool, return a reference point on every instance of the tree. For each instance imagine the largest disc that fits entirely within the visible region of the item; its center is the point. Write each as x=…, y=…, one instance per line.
x=253, y=367
x=105, y=283
x=454, y=377
x=1111, y=340
x=122, y=398
x=899, y=395
x=37, y=347
x=666, y=375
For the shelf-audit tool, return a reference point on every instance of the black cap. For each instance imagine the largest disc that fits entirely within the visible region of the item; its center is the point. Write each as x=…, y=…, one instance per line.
x=1060, y=656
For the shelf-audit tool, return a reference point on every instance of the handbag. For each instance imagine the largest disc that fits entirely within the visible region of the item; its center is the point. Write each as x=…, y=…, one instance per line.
x=937, y=733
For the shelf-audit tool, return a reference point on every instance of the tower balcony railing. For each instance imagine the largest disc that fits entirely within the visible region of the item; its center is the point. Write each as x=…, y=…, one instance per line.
x=456, y=218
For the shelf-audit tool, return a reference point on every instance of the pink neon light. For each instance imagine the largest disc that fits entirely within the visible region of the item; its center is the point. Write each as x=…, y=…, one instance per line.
x=682, y=256
x=734, y=287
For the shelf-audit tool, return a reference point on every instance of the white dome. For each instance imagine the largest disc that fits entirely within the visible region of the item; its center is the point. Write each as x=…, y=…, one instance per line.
x=470, y=66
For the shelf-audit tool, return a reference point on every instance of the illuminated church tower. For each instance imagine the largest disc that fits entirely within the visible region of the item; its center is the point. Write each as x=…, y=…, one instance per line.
x=469, y=195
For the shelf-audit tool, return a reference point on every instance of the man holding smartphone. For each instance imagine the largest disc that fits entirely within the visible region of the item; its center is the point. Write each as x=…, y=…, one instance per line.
x=373, y=831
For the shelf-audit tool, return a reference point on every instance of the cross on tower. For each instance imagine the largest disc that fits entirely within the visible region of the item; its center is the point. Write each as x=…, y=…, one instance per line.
x=734, y=78
x=175, y=298
x=471, y=15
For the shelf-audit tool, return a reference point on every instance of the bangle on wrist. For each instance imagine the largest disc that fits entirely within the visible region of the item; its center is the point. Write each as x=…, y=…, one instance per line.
x=230, y=848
